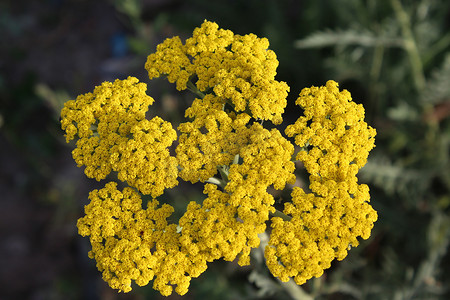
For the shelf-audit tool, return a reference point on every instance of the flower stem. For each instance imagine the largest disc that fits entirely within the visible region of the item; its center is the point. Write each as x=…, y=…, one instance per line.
x=194, y=89
x=219, y=182
x=279, y=214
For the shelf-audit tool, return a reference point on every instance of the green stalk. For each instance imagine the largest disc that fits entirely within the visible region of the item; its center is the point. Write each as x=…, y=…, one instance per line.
x=436, y=48
x=410, y=45
x=191, y=87
x=279, y=214
x=217, y=181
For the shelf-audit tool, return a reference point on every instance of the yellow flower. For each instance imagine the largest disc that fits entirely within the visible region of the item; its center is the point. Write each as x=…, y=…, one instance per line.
x=122, y=235
x=238, y=69
x=210, y=140
x=334, y=131
x=170, y=59
x=212, y=231
x=321, y=229
x=144, y=161
x=113, y=135
x=324, y=223
x=130, y=243
x=103, y=119
x=266, y=161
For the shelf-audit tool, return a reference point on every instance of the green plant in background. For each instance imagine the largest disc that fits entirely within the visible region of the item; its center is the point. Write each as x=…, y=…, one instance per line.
x=398, y=50
x=225, y=146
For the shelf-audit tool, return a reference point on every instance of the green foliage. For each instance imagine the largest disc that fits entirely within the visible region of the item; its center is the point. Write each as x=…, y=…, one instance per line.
x=346, y=38
x=438, y=87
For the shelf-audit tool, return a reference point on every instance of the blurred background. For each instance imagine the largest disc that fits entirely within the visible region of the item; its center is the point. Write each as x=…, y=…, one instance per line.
x=392, y=55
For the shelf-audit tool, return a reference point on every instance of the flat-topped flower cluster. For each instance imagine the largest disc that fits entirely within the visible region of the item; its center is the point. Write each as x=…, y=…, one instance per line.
x=224, y=145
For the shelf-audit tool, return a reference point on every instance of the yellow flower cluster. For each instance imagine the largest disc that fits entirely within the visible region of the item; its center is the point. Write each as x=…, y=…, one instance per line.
x=130, y=243
x=266, y=161
x=103, y=119
x=224, y=145
x=212, y=231
x=326, y=222
x=210, y=140
x=113, y=135
x=337, y=133
x=144, y=161
x=240, y=70
x=122, y=235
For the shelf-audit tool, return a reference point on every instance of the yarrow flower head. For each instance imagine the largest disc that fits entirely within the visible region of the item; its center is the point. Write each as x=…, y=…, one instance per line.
x=224, y=145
